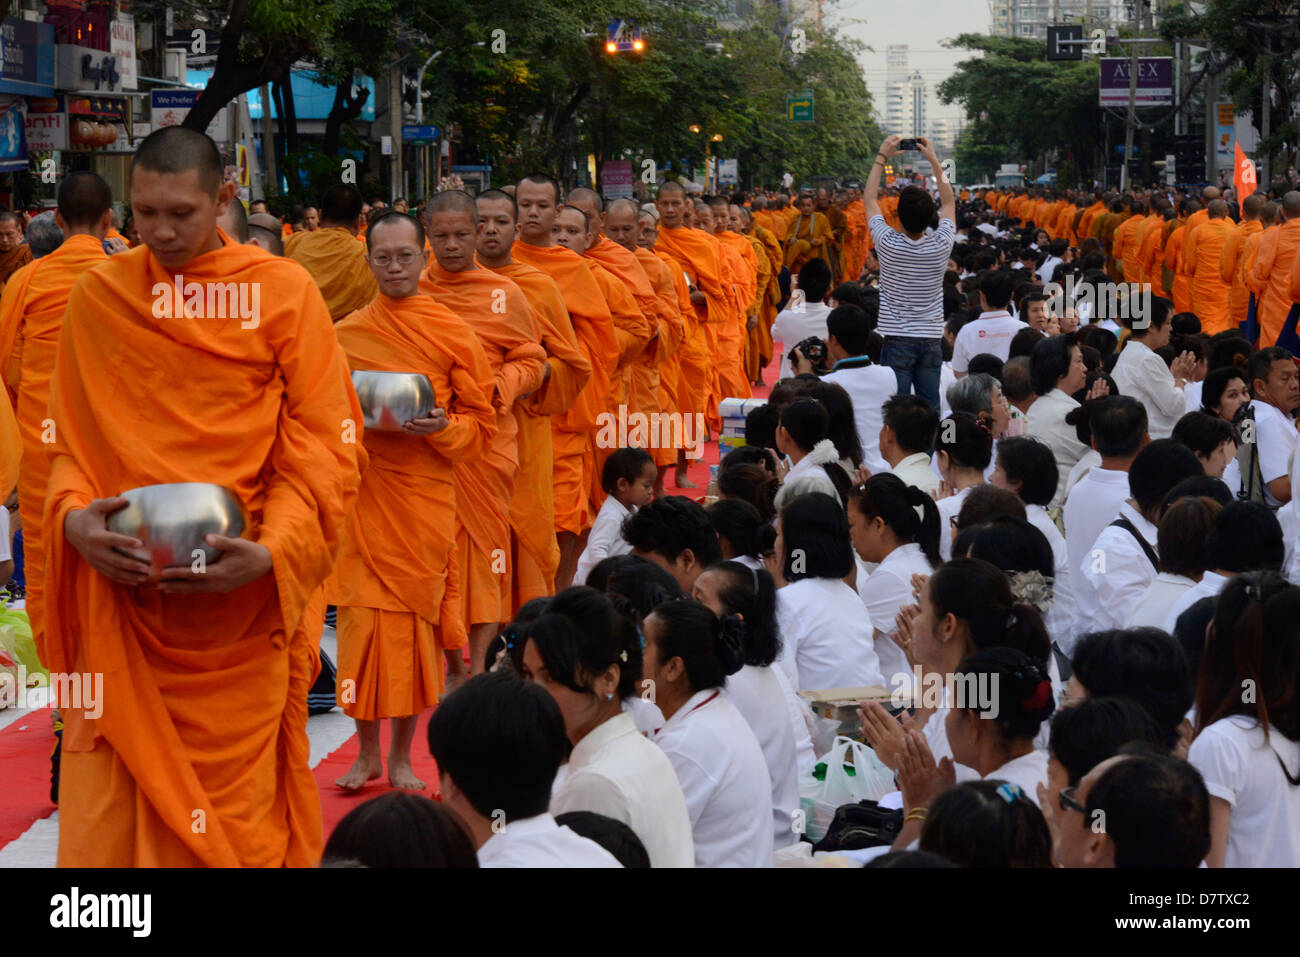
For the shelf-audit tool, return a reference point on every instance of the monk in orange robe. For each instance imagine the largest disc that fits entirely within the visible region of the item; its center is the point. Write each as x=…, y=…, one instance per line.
x=1278, y=251
x=333, y=257
x=1147, y=219
x=397, y=596
x=632, y=332
x=1181, y=287
x=759, y=349
x=697, y=254
x=692, y=360
x=1152, y=254
x=495, y=308
x=573, y=433
x=200, y=753
x=1202, y=252
x=739, y=255
x=809, y=237
x=1231, y=259
x=31, y=319
x=659, y=363
x=623, y=265
x=14, y=254
x=534, y=548
x=1271, y=218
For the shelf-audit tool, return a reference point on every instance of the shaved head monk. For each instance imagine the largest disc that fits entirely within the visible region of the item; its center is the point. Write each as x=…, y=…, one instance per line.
x=31, y=320
x=497, y=312
x=264, y=232
x=13, y=254
x=234, y=222
x=333, y=256
x=199, y=755
x=534, y=548
x=660, y=361
x=1232, y=259
x=699, y=260
x=311, y=219
x=1203, y=250
x=574, y=432
x=1279, y=251
x=632, y=329
x=743, y=261
x=396, y=578
x=640, y=320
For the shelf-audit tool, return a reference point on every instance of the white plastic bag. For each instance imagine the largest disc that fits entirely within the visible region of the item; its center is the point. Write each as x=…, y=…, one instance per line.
x=869, y=782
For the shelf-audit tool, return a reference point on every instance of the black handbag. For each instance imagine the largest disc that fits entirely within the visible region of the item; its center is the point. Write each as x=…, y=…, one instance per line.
x=860, y=825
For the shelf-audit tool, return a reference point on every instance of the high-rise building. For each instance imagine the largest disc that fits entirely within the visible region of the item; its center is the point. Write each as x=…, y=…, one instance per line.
x=897, y=94
x=944, y=131
x=914, y=125
x=1030, y=19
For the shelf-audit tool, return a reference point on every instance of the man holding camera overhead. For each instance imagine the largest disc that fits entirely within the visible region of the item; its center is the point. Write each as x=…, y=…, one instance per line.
x=912, y=263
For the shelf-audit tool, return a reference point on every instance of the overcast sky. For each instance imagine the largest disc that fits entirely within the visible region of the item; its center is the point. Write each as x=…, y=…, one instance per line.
x=923, y=25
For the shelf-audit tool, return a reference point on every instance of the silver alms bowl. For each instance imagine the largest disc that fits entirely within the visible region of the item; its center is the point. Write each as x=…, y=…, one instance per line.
x=389, y=399
x=173, y=519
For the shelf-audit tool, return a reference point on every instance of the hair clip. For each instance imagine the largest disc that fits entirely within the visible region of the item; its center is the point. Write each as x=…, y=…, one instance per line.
x=1009, y=792
x=640, y=636
x=622, y=656
x=1252, y=591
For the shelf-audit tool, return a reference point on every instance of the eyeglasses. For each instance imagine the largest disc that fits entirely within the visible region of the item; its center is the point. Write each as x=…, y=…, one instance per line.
x=1067, y=801
x=403, y=259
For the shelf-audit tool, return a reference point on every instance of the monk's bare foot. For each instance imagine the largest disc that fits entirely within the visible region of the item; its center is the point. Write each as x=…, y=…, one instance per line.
x=683, y=482
x=362, y=771
x=401, y=776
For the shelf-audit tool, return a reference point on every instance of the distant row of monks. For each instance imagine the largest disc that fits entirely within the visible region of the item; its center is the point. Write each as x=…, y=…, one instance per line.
x=1242, y=274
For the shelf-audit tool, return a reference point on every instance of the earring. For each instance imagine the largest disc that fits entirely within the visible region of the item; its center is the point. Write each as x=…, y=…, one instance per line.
x=609, y=696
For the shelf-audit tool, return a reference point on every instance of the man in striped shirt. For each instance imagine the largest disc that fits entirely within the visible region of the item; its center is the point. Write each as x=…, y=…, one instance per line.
x=912, y=264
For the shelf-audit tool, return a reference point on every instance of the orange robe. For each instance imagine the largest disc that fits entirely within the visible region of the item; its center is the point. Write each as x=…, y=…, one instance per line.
x=1231, y=261
x=1272, y=276
x=1151, y=258
x=496, y=310
x=200, y=755
x=14, y=260
x=665, y=353
x=861, y=241
x=1119, y=245
x=693, y=365
x=573, y=433
x=31, y=318
x=1209, y=293
x=1133, y=251
x=809, y=239
x=338, y=265
x=535, y=555
x=643, y=373
x=1173, y=262
x=699, y=255
x=398, y=597
x=734, y=378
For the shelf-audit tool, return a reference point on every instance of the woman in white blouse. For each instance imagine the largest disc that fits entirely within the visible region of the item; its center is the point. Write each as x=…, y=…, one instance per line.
x=826, y=634
x=964, y=450
x=1056, y=371
x=1247, y=747
x=894, y=526
x=761, y=693
x=588, y=657
x=743, y=536
x=689, y=652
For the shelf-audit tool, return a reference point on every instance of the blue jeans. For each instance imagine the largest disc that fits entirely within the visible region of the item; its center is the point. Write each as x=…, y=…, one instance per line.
x=916, y=364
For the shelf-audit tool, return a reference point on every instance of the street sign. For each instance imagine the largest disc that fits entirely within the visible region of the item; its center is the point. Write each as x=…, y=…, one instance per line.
x=1068, y=51
x=799, y=106
x=622, y=37
x=419, y=134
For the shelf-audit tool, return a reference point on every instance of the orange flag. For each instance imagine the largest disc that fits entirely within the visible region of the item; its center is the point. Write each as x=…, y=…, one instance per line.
x=1244, y=178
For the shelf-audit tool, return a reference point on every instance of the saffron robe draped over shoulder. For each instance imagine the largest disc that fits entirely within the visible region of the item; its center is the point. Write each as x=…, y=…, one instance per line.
x=338, y=264
x=200, y=754
x=499, y=315
x=31, y=319
x=398, y=598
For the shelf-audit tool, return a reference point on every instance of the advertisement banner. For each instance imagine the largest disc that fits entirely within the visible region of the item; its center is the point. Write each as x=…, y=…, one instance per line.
x=1155, y=86
x=121, y=34
x=170, y=107
x=47, y=124
x=13, y=133
x=616, y=179
x=1225, y=115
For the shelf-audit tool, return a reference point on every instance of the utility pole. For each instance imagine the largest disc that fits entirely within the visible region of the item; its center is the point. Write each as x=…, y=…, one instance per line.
x=1130, y=122
x=1265, y=122
x=271, y=180
x=1211, y=120
x=395, y=183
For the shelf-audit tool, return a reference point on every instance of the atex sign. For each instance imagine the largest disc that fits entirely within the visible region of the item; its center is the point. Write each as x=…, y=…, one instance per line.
x=1155, y=81
x=80, y=68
